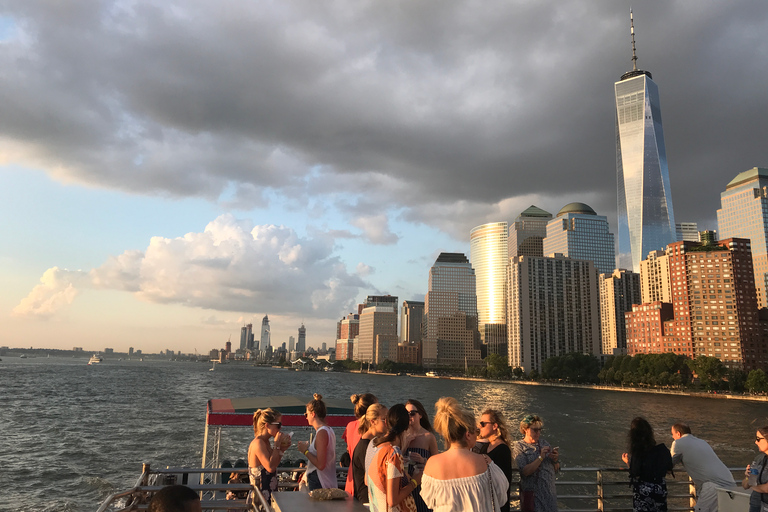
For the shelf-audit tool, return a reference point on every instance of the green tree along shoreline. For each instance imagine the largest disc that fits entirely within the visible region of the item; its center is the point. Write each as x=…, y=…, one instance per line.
x=657, y=371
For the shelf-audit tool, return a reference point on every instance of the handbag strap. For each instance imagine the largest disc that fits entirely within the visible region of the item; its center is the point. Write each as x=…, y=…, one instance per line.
x=490, y=482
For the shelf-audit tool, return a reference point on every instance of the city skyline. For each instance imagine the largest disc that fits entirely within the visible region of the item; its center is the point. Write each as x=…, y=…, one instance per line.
x=188, y=167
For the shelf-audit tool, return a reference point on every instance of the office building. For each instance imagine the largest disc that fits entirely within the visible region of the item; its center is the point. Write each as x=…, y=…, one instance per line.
x=450, y=312
x=380, y=300
x=348, y=328
x=411, y=319
x=646, y=216
x=655, y=285
x=246, y=337
x=301, y=345
x=377, y=339
x=743, y=213
x=687, y=231
x=488, y=246
x=618, y=292
x=579, y=233
x=265, y=340
x=527, y=234
x=291, y=343
x=553, y=308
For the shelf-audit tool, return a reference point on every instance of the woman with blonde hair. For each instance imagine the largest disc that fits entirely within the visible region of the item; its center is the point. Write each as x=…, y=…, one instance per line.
x=263, y=459
x=321, y=452
x=493, y=430
x=538, y=462
x=459, y=479
x=373, y=424
x=351, y=435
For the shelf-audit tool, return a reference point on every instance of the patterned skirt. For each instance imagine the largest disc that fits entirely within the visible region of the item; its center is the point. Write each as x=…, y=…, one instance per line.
x=649, y=497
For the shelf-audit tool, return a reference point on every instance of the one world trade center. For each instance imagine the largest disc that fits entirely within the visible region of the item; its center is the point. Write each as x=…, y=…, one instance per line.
x=646, y=218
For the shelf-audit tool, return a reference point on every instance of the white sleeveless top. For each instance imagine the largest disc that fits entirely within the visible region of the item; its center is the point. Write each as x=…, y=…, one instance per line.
x=328, y=475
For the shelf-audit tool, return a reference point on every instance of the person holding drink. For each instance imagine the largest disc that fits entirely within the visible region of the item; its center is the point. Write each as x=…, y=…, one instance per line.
x=756, y=475
x=538, y=462
x=263, y=459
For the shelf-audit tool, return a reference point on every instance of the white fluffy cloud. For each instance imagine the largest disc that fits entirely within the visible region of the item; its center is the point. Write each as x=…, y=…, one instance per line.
x=230, y=266
x=57, y=289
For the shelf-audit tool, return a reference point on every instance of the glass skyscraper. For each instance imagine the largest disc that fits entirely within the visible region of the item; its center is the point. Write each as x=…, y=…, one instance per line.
x=579, y=233
x=744, y=214
x=488, y=255
x=646, y=217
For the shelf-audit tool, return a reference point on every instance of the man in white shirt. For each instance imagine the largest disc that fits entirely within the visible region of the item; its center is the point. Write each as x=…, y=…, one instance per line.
x=702, y=465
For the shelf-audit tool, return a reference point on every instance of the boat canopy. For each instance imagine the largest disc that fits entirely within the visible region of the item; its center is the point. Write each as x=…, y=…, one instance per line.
x=238, y=412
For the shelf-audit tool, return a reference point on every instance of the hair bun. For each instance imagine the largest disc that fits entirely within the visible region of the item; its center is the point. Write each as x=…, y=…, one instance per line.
x=354, y=398
x=318, y=396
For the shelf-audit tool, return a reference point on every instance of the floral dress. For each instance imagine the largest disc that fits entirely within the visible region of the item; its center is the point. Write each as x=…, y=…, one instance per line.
x=541, y=481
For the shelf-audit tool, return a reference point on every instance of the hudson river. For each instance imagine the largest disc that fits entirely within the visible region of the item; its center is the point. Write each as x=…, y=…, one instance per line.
x=71, y=434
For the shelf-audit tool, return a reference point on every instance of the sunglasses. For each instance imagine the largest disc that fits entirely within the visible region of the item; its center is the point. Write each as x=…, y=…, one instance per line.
x=758, y=439
x=279, y=424
x=484, y=423
x=306, y=415
x=413, y=413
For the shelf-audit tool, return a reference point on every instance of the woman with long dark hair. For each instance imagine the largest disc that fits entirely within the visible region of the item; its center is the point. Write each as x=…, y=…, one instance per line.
x=649, y=464
x=389, y=485
x=422, y=443
x=493, y=430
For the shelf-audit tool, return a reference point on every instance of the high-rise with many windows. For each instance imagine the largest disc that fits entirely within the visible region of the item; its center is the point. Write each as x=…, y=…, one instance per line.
x=618, y=291
x=266, y=339
x=450, y=311
x=488, y=255
x=581, y=234
x=526, y=235
x=301, y=345
x=553, y=308
x=743, y=213
x=646, y=217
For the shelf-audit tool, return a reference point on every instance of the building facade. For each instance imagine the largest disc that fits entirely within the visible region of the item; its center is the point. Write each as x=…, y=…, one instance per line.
x=645, y=212
x=301, y=344
x=488, y=246
x=655, y=285
x=618, y=292
x=743, y=213
x=553, y=308
x=450, y=311
x=266, y=337
x=527, y=234
x=411, y=319
x=378, y=329
x=348, y=329
x=714, y=308
x=577, y=232
x=687, y=231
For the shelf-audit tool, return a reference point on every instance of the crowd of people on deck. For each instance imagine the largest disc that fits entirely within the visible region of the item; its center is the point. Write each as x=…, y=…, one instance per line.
x=395, y=464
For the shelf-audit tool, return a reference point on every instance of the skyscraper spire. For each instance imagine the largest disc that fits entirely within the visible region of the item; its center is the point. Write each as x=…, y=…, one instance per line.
x=632, y=31
x=635, y=72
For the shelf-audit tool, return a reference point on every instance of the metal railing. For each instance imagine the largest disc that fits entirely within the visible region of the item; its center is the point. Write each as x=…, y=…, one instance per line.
x=592, y=489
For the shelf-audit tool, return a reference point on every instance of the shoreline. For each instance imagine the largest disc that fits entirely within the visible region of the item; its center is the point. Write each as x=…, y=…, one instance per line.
x=694, y=394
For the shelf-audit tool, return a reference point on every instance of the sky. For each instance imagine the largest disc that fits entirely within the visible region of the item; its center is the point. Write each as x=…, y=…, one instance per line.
x=172, y=170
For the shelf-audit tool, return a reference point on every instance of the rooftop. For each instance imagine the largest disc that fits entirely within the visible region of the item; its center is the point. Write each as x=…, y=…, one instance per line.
x=535, y=211
x=747, y=176
x=581, y=208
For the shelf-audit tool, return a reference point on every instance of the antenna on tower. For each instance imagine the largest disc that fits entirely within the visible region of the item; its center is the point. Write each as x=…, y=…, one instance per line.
x=632, y=31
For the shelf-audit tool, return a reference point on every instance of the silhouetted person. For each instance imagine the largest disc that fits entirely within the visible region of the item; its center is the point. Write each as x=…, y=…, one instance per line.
x=175, y=498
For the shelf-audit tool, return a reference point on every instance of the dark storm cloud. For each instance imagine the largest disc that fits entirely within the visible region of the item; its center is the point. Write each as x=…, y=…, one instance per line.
x=422, y=105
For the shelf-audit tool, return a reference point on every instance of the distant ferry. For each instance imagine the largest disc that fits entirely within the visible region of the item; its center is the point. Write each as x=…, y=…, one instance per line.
x=94, y=359
x=431, y=374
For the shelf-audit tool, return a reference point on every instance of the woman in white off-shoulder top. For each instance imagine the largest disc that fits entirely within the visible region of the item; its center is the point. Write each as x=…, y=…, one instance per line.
x=458, y=479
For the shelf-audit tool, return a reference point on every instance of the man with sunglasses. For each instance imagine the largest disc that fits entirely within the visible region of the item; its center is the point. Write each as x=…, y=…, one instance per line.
x=702, y=465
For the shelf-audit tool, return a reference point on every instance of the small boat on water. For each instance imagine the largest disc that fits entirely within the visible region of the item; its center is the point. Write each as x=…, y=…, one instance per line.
x=432, y=374
x=95, y=359
x=23, y=356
